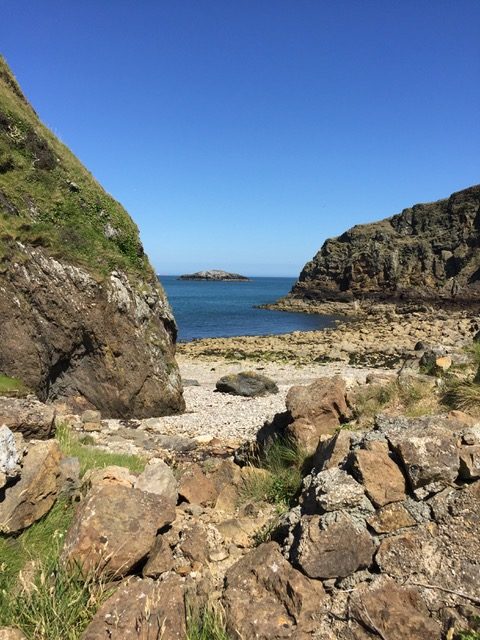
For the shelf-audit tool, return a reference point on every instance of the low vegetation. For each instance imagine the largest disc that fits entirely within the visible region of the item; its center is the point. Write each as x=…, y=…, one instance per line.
x=276, y=474
x=206, y=624
x=411, y=398
x=11, y=386
x=37, y=592
x=91, y=457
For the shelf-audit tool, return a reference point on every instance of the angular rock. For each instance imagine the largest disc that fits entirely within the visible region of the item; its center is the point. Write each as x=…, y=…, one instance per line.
x=390, y=518
x=331, y=490
x=470, y=462
x=114, y=529
x=141, y=609
x=196, y=488
x=331, y=547
x=10, y=457
x=111, y=475
x=158, y=478
x=333, y=452
x=160, y=559
x=378, y=473
x=247, y=383
x=322, y=403
x=267, y=599
x=393, y=612
x=427, y=448
x=69, y=476
x=33, y=495
x=304, y=434
x=28, y=416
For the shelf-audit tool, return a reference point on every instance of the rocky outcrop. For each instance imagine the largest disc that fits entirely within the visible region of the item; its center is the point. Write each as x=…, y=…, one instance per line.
x=427, y=252
x=214, y=274
x=82, y=312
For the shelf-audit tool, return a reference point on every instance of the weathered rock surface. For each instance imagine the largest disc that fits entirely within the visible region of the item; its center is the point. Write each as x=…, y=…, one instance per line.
x=10, y=633
x=10, y=457
x=392, y=612
x=115, y=527
x=332, y=547
x=196, y=487
x=33, y=495
x=246, y=383
x=428, y=252
x=284, y=601
x=141, y=609
x=381, y=477
x=73, y=261
x=28, y=416
x=158, y=478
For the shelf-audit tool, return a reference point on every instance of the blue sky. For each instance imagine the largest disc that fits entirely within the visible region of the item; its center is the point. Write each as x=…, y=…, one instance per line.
x=240, y=134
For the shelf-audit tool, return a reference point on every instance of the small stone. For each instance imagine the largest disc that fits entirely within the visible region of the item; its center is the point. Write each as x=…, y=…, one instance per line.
x=247, y=383
x=158, y=478
x=91, y=415
x=381, y=477
x=470, y=462
x=195, y=487
x=160, y=559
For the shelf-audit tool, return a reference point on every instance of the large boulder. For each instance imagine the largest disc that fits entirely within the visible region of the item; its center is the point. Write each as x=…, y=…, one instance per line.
x=317, y=409
x=114, y=529
x=141, y=609
x=246, y=383
x=28, y=416
x=81, y=309
x=267, y=599
x=33, y=495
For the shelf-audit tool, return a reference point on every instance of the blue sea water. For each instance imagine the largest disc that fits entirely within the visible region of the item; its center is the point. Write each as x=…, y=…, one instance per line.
x=206, y=309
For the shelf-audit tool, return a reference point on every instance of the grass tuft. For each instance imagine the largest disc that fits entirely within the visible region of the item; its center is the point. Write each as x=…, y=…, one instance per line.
x=276, y=475
x=11, y=386
x=463, y=395
x=92, y=457
x=206, y=624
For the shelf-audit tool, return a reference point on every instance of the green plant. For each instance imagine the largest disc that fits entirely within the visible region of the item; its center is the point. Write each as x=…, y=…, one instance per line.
x=57, y=603
x=208, y=623
x=11, y=386
x=92, y=457
x=462, y=395
x=276, y=474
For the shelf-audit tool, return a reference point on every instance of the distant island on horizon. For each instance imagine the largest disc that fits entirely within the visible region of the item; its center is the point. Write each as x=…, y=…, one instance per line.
x=216, y=275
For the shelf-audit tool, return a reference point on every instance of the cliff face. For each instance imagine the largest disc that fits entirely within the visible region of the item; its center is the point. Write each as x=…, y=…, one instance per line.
x=427, y=252
x=81, y=310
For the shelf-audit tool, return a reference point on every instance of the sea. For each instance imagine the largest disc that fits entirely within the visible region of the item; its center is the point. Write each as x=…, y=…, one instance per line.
x=209, y=309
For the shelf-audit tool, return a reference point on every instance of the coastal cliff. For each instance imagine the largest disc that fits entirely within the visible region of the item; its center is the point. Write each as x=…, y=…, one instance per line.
x=81, y=311
x=427, y=252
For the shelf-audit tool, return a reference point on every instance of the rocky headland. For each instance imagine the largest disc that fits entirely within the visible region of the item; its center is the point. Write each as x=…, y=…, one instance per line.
x=427, y=253
x=214, y=274
x=82, y=313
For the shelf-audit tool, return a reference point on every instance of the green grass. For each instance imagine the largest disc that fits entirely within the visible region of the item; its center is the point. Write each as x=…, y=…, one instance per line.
x=283, y=465
x=462, y=395
x=93, y=458
x=412, y=399
x=51, y=200
x=58, y=604
x=206, y=624
x=11, y=386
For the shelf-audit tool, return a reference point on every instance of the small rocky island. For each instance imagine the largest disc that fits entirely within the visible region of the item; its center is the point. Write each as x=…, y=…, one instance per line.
x=215, y=274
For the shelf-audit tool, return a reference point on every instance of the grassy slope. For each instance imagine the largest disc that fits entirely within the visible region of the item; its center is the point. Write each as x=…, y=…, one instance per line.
x=48, y=198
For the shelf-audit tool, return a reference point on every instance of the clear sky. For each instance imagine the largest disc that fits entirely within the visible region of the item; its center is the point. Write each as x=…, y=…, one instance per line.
x=240, y=134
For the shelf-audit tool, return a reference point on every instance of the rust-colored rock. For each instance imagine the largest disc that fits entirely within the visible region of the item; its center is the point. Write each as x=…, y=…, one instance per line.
x=267, y=599
x=197, y=488
x=391, y=518
x=115, y=527
x=33, y=495
x=322, y=403
x=141, y=609
x=28, y=416
x=393, y=612
x=382, y=479
x=333, y=452
x=332, y=546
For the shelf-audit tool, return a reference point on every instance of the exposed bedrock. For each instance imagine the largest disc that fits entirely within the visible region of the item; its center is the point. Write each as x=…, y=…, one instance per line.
x=427, y=252
x=65, y=335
